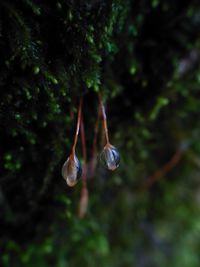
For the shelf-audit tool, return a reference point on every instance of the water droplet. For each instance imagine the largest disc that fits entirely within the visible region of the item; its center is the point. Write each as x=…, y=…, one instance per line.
x=71, y=170
x=110, y=157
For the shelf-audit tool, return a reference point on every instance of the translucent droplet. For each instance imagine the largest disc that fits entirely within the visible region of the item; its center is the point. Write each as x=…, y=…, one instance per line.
x=110, y=157
x=71, y=170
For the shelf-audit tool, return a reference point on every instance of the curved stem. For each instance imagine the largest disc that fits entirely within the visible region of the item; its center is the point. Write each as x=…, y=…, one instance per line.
x=77, y=125
x=84, y=191
x=167, y=167
x=84, y=149
x=96, y=130
x=103, y=112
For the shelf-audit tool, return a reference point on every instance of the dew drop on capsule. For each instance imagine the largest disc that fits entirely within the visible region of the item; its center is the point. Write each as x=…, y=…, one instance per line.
x=110, y=157
x=71, y=170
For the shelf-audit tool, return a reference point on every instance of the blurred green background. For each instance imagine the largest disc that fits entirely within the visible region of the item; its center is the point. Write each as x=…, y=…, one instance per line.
x=144, y=58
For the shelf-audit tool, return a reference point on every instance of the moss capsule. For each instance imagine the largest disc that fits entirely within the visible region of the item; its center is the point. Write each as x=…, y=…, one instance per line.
x=110, y=157
x=71, y=170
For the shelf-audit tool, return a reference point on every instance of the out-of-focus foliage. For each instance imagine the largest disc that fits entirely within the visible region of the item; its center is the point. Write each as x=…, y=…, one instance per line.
x=144, y=56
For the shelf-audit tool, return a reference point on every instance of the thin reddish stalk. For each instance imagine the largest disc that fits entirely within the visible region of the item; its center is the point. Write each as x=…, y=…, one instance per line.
x=84, y=191
x=77, y=125
x=93, y=161
x=158, y=174
x=96, y=130
x=84, y=150
x=102, y=135
x=105, y=126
